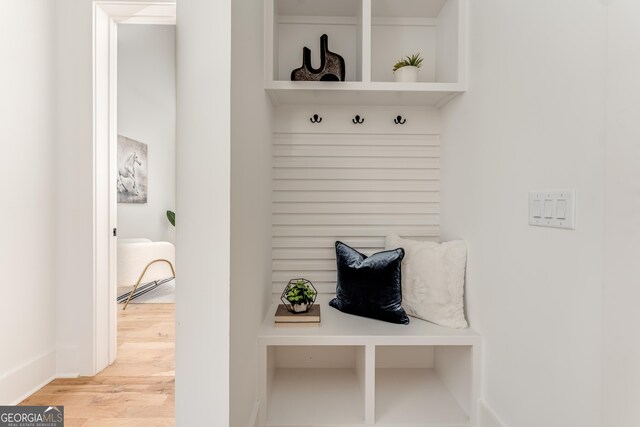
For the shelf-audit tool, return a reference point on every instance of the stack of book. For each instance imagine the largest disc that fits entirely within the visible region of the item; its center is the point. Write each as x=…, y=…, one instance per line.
x=286, y=318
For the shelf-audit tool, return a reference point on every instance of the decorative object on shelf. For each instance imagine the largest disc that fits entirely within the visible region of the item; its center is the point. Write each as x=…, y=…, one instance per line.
x=357, y=120
x=132, y=171
x=315, y=119
x=399, y=120
x=285, y=317
x=299, y=295
x=332, y=67
x=406, y=69
x=171, y=216
x=433, y=280
x=370, y=286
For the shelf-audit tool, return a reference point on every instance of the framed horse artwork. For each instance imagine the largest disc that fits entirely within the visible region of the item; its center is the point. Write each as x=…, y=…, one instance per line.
x=132, y=171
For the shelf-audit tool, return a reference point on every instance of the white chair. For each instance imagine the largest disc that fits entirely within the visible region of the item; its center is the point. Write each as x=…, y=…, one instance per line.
x=140, y=259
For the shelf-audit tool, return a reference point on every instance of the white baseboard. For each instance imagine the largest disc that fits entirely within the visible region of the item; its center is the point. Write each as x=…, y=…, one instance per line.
x=253, y=420
x=486, y=416
x=24, y=380
x=67, y=361
x=63, y=375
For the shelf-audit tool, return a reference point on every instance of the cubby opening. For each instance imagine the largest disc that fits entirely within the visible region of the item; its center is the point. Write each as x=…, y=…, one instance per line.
x=300, y=23
x=423, y=385
x=371, y=35
x=315, y=385
x=404, y=27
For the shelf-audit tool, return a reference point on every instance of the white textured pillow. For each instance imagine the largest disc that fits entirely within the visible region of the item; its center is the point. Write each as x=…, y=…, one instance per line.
x=433, y=279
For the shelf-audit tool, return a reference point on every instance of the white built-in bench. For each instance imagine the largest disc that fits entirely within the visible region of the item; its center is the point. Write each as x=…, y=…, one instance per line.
x=351, y=371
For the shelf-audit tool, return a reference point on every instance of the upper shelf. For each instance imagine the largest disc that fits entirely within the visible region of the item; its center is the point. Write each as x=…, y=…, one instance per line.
x=360, y=93
x=371, y=35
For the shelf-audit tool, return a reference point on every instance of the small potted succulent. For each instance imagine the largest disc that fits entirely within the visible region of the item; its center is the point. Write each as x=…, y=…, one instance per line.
x=299, y=295
x=406, y=69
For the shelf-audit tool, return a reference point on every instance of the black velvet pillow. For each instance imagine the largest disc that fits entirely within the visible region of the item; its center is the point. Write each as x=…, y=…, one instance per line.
x=370, y=287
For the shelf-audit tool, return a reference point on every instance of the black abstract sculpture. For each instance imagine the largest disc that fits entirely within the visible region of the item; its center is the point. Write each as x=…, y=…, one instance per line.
x=332, y=66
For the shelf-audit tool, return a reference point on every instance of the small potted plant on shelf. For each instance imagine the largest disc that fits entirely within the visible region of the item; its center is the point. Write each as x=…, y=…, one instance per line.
x=406, y=69
x=299, y=295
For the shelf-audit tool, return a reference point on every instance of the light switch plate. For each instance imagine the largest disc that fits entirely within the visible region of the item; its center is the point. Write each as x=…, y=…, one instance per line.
x=554, y=208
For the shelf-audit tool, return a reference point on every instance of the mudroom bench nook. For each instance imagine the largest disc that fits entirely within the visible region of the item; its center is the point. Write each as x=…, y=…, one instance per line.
x=353, y=371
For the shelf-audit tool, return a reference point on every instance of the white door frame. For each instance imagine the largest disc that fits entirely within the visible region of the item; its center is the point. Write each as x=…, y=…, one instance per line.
x=106, y=16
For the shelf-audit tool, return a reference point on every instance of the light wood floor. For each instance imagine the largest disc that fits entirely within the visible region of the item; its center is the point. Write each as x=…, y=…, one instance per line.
x=138, y=390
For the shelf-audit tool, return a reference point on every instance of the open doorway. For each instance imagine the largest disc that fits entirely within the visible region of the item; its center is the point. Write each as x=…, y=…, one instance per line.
x=146, y=198
x=146, y=167
x=108, y=17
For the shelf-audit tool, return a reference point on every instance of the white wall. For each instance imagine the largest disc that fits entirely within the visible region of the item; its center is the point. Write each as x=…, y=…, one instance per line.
x=621, y=345
x=251, y=118
x=147, y=113
x=337, y=181
x=74, y=198
x=533, y=118
x=27, y=132
x=203, y=203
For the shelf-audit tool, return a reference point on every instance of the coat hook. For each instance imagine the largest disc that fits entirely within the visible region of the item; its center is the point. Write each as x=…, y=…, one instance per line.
x=315, y=119
x=357, y=120
x=399, y=120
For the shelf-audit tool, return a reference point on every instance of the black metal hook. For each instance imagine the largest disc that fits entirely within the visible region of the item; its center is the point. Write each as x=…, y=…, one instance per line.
x=315, y=119
x=399, y=120
x=357, y=120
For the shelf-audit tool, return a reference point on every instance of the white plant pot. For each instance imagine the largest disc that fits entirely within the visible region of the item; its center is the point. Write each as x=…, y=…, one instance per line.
x=299, y=308
x=407, y=74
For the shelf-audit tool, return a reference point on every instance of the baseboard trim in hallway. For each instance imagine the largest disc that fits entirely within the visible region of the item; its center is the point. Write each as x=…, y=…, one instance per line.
x=26, y=379
x=487, y=417
x=253, y=420
x=138, y=390
x=67, y=361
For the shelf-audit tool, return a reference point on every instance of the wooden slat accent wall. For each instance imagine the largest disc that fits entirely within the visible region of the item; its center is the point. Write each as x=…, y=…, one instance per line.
x=335, y=183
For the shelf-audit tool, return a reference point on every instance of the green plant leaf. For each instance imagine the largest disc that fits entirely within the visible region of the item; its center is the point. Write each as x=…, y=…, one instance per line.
x=401, y=63
x=415, y=60
x=410, y=60
x=300, y=292
x=171, y=216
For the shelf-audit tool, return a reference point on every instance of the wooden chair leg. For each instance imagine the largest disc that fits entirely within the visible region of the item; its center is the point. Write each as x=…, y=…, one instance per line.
x=173, y=272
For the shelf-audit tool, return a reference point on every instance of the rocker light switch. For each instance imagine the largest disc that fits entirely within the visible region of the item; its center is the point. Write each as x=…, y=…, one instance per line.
x=561, y=209
x=537, y=209
x=554, y=209
x=548, y=208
